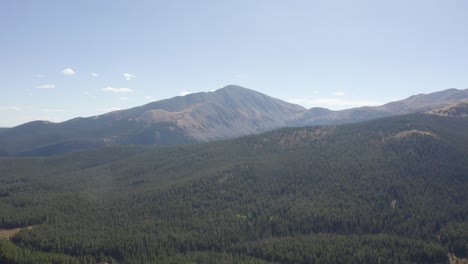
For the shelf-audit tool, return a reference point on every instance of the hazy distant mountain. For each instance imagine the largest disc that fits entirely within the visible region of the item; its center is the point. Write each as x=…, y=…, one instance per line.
x=228, y=112
x=414, y=104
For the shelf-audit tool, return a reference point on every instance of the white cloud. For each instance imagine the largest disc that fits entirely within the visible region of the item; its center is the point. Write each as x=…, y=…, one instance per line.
x=117, y=90
x=128, y=76
x=38, y=75
x=13, y=108
x=333, y=103
x=339, y=93
x=94, y=74
x=149, y=97
x=184, y=93
x=68, y=71
x=46, y=86
x=123, y=99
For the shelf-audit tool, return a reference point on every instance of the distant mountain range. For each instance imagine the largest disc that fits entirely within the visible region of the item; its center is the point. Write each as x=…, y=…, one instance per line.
x=225, y=113
x=415, y=104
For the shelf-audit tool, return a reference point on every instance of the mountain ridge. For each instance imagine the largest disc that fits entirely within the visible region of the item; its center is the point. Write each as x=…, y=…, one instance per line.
x=228, y=112
x=414, y=104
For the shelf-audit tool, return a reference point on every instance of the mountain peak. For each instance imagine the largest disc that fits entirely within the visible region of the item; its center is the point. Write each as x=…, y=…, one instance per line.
x=227, y=112
x=232, y=88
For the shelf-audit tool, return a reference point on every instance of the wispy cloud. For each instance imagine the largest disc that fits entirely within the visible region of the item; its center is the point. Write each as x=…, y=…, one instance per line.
x=184, y=93
x=339, y=93
x=68, y=71
x=128, y=76
x=46, y=86
x=334, y=103
x=117, y=90
x=149, y=97
x=12, y=108
x=123, y=99
x=95, y=74
x=38, y=75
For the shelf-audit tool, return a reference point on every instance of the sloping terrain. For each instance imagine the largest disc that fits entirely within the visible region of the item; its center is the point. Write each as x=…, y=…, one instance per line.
x=391, y=190
x=415, y=104
x=456, y=109
x=226, y=113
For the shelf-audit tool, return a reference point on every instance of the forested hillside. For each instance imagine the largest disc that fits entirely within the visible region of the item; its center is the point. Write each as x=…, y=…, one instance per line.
x=391, y=190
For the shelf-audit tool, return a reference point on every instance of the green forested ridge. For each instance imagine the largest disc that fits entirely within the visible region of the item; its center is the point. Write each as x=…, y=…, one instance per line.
x=391, y=190
x=41, y=138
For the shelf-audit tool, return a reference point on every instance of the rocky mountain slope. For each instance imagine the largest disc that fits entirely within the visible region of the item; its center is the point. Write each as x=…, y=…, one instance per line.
x=226, y=113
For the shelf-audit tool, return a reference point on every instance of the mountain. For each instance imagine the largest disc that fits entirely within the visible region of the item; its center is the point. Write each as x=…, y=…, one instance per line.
x=228, y=112
x=414, y=104
x=225, y=113
x=391, y=190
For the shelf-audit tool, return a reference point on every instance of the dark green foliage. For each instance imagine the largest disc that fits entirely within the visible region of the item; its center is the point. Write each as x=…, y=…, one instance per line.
x=455, y=235
x=64, y=146
x=11, y=254
x=387, y=191
x=328, y=248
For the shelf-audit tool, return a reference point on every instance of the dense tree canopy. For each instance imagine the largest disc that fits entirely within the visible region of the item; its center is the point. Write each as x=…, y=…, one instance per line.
x=392, y=190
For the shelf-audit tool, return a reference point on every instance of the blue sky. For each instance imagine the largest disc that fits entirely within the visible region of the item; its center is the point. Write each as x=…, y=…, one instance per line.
x=335, y=53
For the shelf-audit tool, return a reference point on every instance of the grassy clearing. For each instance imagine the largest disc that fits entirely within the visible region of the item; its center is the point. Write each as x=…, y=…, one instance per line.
x=454, y=260
x=8, y=233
